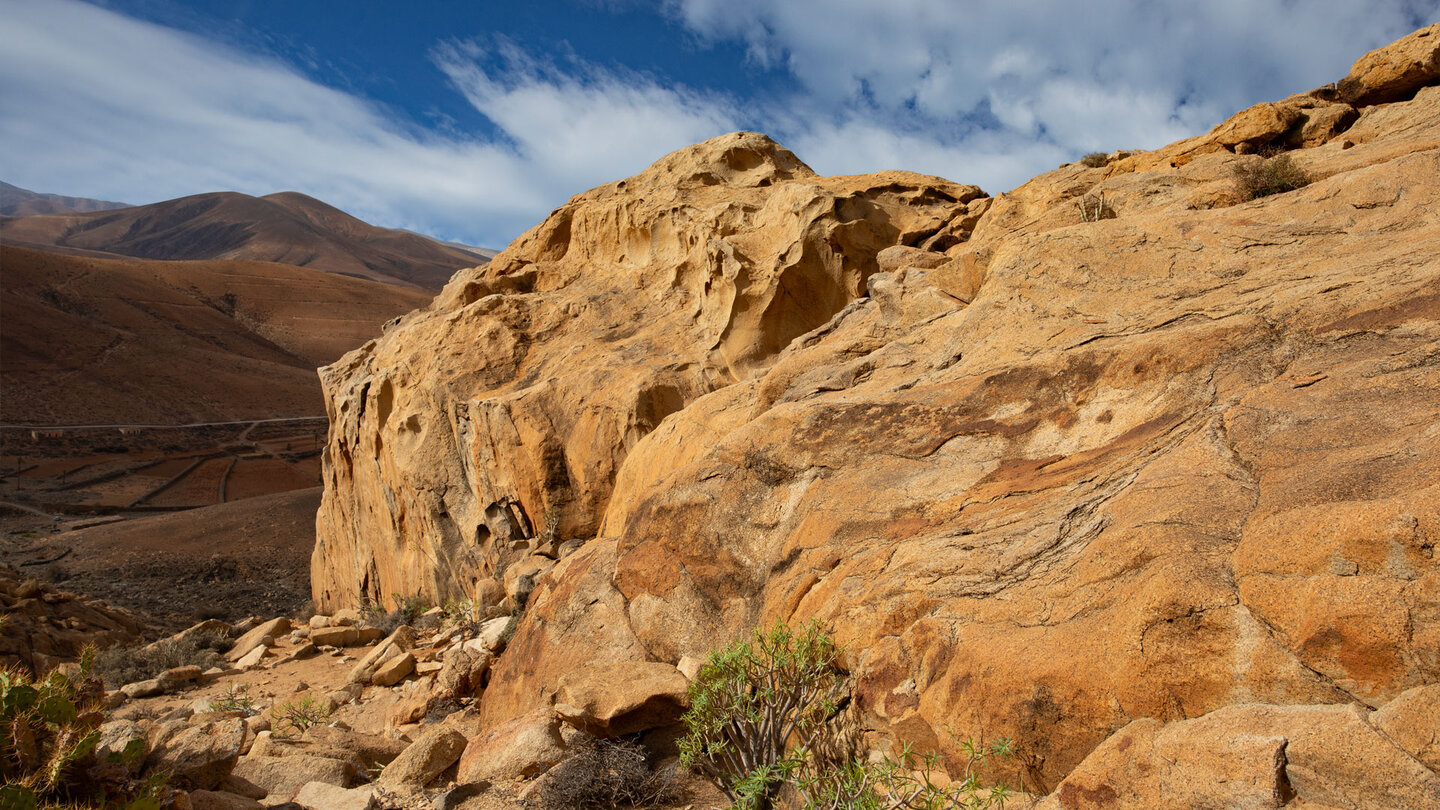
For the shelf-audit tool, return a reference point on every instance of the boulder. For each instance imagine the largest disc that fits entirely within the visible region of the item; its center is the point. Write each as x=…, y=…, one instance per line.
x=282, y=776
x=372, y=750
x=264, y=634
x=463, y=671
x=122, y=741
x=1252, y=756
x=200, y=756
x=325, y=796
x=425, y=759
x=398, y=643
x=149, y=687
x=252, y=659
x=394, y=670
x=1396, y=71
x=522, y=748
x=222, y=800
x=613, y=700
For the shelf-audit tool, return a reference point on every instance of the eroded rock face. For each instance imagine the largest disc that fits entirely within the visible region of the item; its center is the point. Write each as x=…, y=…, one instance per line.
x=495, y=422
x=1043, y=478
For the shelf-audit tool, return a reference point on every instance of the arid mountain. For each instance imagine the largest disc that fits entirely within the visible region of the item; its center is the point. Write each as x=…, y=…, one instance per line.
x=102, y=341
x=1125, y=465
x=20, y=202
x=287, y=228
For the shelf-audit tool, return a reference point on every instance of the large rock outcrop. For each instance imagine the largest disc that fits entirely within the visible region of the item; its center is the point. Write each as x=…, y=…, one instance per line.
x=1042, y=477
x=502, y=413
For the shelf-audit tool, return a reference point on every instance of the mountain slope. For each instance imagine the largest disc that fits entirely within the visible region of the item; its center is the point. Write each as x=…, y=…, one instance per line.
x=100, y=341
x=287, y=228
x=20, y=202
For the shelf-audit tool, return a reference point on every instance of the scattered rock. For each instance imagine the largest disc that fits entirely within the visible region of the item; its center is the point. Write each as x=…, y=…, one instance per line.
x=200, y=756
x=282, y=776
x=425, y=759
x=263, y=634
x=394, y=670
x=613, y=700
x=524, y=747
x=325, y=796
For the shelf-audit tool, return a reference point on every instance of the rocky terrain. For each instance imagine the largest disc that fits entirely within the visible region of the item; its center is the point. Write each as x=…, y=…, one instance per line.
x=286, y=228
x=1123, y=465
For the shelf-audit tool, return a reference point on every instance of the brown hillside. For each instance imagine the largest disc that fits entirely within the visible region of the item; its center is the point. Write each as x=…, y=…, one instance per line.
x=287, y=228
x=97, y=341
x=1123, y=465
x=20, y=202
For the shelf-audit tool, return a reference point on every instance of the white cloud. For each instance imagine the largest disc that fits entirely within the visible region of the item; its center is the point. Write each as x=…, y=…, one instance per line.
x=102, y=105
x=1001, y=89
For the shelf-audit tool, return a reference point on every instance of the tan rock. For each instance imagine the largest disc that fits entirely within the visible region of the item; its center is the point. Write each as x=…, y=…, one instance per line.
x=257, y=637
x=252, y=658
x=398, y=642
x=1396, y=71
x=1250, y=756
x=199, y=757
x=282, y=776
x=1153, y=466
x=425, y=759
x=372, y=750
x=143, y=689
x=221, y=800
x=123, y=741
x=335, y=636
x=1412, y=721
x=612, y=700
x=522, y=748
x=463, y=671
x=394, y=670
x=324, y=796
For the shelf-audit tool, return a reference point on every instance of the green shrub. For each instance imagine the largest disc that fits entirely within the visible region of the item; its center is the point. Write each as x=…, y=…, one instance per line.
x=1095, y=160
x=121, y=665
x=758, y=710
x=755, y=702
x=1272, y=175
x=295, y=716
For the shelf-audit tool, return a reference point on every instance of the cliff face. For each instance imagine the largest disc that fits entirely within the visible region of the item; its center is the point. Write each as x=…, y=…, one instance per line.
x=1042, y=476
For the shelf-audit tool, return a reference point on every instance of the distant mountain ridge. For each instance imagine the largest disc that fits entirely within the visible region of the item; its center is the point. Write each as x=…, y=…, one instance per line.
x=22, y=202
x=286, y=227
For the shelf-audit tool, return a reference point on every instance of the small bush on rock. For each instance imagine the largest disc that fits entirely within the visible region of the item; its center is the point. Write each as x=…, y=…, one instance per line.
x=601, y=773
x=1095, y=160
x=293, y=717
x=407, y=609
x=1272, y=175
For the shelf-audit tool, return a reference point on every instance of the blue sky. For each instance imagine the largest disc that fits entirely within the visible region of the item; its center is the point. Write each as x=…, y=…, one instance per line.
x=472, y=120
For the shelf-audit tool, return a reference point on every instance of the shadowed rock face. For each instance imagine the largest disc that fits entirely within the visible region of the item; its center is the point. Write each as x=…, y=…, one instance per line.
x=1041, y=477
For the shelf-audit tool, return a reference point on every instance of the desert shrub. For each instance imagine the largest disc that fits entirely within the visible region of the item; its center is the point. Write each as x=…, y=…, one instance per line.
x=758, y=710
x=904, y=783
x=235, y=699
x=1094, y=207
x=606, y=774
x=294, y=716
x=1271, y=175
x=49, y=729
x=406, y=610
x=755, y=702
x=121, y=665
x=1095, y=160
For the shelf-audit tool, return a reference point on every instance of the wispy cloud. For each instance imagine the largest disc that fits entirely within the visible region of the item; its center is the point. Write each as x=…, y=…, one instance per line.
x=98, y=104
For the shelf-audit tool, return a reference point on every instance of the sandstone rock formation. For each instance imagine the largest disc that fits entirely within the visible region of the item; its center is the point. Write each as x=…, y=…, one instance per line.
x=43, y=627
x=1042, y=477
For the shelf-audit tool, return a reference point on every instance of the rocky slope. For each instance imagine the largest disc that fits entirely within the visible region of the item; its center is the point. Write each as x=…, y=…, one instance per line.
x=1044, y=477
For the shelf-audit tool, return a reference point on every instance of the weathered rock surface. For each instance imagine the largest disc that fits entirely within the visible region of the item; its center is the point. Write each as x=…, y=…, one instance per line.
x=202, y=755
x=433, y=752
x=618, y=699
x=44, y=627
x=1042, y=478
x=524, y=747
x=1250, y=756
